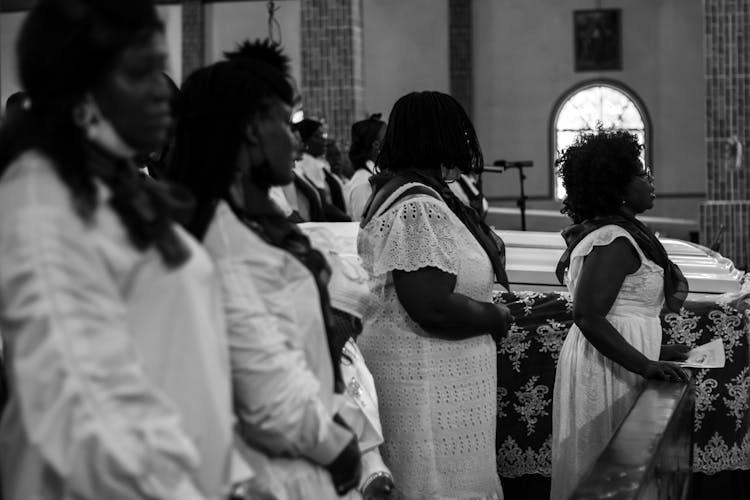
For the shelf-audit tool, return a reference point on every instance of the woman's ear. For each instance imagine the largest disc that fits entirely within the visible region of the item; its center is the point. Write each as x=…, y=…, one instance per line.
x=251, y=133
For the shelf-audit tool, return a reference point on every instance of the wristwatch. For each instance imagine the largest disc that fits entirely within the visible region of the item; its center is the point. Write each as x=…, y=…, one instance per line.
x=372, y=477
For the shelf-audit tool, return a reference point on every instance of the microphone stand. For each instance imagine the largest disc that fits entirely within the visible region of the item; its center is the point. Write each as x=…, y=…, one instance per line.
x=521, y=202
x=501, y=166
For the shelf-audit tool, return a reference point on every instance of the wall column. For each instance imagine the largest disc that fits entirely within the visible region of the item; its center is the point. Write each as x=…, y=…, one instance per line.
x=332, y=75
x=725, y=216
x=461, y=54
x=193, y=36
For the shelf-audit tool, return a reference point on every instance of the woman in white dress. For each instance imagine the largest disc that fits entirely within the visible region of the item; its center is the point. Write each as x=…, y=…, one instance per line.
x=233, y=142
x=113, y=333
x=428, y=335
x=619, y=276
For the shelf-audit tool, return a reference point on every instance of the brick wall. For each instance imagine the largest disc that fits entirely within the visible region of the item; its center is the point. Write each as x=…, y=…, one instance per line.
x=193, y=33
x=332, y=75
x=727, y=73
x=460, y=48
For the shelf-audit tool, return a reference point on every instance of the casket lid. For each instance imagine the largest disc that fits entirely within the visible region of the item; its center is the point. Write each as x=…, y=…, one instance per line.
x=532, y=257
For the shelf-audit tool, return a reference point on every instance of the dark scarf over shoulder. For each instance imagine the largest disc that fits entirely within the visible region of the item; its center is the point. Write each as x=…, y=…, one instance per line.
x=486, y=237
x=276, y=230
x=675, y=284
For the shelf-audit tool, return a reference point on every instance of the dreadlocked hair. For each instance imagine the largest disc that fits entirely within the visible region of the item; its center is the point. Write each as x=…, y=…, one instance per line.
x=595, y=171
x=216, y=103
x=426, y=130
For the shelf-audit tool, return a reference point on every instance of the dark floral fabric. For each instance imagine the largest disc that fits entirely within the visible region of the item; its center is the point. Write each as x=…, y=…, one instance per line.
x=527, y=359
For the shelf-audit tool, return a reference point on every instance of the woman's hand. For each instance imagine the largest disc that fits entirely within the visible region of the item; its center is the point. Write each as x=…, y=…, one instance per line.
x=380, y=488
x=346, y=469
x=505, y=318
x=664, y=370
x=674, y=352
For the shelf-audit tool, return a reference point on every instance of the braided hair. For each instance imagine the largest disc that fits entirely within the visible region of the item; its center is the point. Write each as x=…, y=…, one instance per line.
x=216, y=103
x=426, y=130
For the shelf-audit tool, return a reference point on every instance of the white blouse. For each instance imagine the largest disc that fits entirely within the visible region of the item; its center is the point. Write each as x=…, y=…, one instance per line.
x=358, y=190
x=281, y=366
x=118, y=365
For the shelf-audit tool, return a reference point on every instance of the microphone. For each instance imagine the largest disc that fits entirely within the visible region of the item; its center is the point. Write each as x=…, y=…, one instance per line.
x=512, y=164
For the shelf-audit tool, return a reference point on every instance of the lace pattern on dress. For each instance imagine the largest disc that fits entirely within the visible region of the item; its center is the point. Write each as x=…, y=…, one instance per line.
x=391, y=236
x=437, y=397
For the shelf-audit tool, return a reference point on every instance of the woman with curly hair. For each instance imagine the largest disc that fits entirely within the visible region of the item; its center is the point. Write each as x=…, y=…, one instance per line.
x=620, y=277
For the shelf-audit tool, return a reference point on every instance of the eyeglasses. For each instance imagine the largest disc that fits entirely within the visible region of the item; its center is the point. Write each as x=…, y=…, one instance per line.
x=646, y=174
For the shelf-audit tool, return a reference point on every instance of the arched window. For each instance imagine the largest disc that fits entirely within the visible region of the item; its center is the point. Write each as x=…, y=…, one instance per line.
x=605, y=102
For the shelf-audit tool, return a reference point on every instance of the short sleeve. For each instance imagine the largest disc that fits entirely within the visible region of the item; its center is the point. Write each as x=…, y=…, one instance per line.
x=417, y=233
x=603, y=236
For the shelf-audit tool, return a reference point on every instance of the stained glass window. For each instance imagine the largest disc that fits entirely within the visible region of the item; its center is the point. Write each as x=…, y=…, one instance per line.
x=585, y=107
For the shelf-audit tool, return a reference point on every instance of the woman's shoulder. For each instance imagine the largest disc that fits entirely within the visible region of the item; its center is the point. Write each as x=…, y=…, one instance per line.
x=231, y=243
x=607, y=234
x=410, y=201
x=30, y=185
x=602, y=236
x=31, y=178
x=228, y=237
x=360, y=176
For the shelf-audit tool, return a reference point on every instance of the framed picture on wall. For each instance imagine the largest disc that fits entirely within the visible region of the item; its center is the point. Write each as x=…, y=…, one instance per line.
x=597, y=39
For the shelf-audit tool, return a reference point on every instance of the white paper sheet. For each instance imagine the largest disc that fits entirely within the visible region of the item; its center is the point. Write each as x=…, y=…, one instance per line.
x=710, y=355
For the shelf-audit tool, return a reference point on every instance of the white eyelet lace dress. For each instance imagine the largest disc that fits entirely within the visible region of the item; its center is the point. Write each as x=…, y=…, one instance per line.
x=437, y=397
x=592, y=393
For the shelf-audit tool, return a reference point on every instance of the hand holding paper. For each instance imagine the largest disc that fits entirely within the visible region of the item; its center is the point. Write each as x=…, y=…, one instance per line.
x=710, y=355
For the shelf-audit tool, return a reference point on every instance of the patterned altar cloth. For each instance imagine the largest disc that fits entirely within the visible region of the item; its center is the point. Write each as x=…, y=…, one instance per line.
x=527, y=358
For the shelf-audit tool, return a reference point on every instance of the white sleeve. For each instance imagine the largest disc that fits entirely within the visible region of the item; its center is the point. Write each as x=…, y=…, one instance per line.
x=417, y=233
x=276, y=393
x=357, y=199
x=85, y=402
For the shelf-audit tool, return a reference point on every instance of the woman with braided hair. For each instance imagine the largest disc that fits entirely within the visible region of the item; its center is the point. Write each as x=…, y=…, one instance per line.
x=111, y=318
x=234, y=142
x=429, y=333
